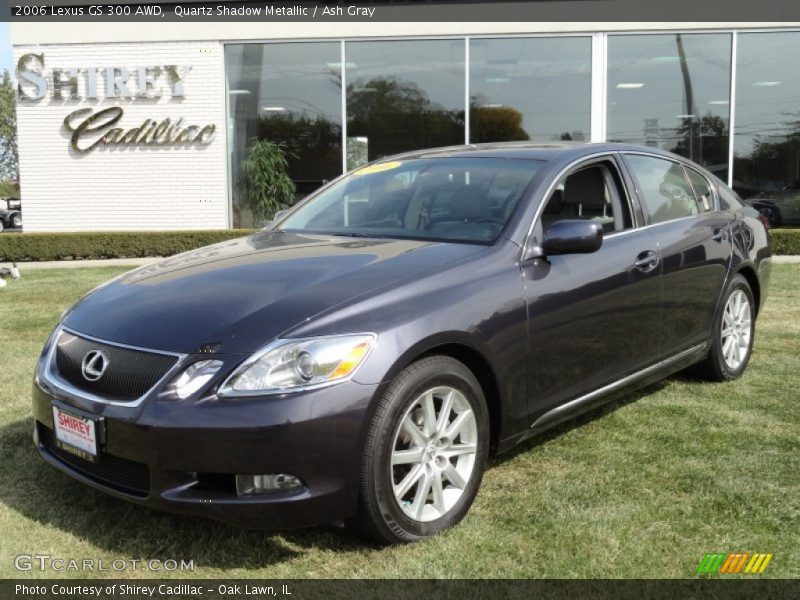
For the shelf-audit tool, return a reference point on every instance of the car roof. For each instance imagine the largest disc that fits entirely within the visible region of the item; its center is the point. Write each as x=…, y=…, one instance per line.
x=528, y=150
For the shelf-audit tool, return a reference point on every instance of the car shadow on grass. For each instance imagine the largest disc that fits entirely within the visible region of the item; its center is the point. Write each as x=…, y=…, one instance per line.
x=125, y=530
x=579, y=421
x=51, y=499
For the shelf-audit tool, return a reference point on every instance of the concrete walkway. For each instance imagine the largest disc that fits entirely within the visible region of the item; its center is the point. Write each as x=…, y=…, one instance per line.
x=138, y=262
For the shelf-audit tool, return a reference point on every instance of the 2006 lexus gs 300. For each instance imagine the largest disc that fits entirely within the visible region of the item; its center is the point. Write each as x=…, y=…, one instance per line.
x=359, y=359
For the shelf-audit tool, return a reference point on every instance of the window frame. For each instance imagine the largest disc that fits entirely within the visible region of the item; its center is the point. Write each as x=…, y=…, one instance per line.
x=640, y=195
x=577, y=165
x=713, y=188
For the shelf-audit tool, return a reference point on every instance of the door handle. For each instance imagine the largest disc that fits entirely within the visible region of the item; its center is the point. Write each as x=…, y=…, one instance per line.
x=646, y=261
x=720, y=235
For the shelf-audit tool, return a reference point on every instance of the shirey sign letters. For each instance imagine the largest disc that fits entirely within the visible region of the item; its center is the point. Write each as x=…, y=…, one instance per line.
x=90, y=129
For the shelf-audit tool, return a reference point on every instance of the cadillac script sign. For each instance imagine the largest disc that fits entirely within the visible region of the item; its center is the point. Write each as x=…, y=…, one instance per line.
x=91, y=128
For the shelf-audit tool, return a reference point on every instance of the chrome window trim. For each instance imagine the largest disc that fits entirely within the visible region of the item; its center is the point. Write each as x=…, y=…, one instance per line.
x=710, y=184
x=567, y=407
x=52, y=384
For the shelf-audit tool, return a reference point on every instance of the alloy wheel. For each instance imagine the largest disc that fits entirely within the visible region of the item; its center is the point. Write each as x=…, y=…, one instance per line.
x=736, y=329
x=433, y=453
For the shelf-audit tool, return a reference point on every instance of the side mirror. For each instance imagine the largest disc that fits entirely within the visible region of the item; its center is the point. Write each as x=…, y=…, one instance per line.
x=570, y=237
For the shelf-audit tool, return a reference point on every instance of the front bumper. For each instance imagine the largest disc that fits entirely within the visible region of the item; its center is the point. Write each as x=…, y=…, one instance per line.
x=182, y=456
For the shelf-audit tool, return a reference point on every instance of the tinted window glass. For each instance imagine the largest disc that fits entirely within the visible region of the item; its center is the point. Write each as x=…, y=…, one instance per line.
x=443, y=199
x=664, y=188
x=672, y=92
x=403, y=95
x=591, y=193
x=702, y=191
x=767, y=140
x=287, y=93
x=530, y=89
x=728, y=199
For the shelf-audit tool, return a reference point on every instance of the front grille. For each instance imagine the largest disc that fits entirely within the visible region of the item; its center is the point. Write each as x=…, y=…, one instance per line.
x=120, y=474
x=129, y=375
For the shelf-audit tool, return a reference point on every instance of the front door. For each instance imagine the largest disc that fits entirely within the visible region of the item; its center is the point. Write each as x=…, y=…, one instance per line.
x=592, y=318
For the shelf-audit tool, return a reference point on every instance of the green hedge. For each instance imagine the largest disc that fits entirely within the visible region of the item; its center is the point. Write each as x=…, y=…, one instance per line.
x=134, y=244
x=785, y=241
x=116, y=244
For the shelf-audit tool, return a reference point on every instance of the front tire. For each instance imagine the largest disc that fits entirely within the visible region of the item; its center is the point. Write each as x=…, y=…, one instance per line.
x=425, y=452
x=733, y=333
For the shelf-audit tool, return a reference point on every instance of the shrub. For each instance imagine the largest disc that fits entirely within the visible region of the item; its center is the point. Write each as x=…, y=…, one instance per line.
x=785, y=241
x=116, y=244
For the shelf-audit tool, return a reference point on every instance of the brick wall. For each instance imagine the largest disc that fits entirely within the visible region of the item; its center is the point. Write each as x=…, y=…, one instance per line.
x=125, y=188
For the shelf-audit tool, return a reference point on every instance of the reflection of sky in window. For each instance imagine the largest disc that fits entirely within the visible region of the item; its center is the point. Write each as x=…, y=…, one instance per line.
x=435, y=66
x=548, y=80
x=298, y=77
x=646, y=82
x=767, y=87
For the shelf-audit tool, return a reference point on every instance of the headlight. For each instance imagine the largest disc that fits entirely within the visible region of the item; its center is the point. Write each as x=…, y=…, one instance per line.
x=194, y=377
x=288, y=365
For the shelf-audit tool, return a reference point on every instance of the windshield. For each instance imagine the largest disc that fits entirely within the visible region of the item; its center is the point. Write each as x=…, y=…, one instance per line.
x=442, y=199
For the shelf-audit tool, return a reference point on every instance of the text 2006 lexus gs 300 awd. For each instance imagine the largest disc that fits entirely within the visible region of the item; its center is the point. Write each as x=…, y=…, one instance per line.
x=360, y=358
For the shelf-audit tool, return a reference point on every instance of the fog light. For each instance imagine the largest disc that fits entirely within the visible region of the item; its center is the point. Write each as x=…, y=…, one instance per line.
x=264, y=484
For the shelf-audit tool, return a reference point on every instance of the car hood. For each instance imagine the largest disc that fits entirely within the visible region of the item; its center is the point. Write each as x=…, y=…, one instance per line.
x=242, y=293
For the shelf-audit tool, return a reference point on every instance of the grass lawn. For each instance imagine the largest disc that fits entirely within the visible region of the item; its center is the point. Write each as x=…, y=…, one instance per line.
x=641, y=488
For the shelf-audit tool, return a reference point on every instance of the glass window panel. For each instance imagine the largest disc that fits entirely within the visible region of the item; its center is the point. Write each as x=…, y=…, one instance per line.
x=455, y=199
x=288, y=93
x=530, y=89
x=767, y=135
x=702, y=191
x=672, y=92
x=403, y=95
x=667, y=193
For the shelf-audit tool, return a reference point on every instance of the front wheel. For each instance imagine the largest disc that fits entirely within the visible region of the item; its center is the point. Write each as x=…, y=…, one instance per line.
x=425, y=452
x=733, y=333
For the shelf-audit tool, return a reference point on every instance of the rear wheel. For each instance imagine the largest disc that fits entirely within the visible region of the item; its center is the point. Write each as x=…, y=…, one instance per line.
x=732, y=334
x=16, y=221
x=425, y=452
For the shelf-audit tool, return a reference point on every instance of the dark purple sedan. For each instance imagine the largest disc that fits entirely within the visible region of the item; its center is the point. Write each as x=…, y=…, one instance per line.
x=360, y=359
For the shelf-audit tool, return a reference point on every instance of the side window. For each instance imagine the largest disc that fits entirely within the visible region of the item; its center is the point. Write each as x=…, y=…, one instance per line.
x=666, y=191
x=591, y=193
x=702, y=190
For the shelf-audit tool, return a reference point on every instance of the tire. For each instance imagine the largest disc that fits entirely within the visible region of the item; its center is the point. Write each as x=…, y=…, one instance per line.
x=16, y=221
x=2, y=226
x=441, y=451
x=718, y=365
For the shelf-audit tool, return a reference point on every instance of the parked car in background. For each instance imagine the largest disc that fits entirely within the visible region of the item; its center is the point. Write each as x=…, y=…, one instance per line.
x=10, y=214
x=767, y=208
x=361, y=358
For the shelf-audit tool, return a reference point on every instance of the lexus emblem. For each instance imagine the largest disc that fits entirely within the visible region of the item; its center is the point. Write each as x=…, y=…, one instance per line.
x=94, y=365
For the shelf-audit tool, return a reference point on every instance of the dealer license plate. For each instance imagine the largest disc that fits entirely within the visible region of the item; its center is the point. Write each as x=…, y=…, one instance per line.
x=75, y=434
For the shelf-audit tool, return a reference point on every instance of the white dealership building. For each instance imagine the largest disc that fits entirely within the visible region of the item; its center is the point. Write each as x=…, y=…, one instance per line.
x=145, y=126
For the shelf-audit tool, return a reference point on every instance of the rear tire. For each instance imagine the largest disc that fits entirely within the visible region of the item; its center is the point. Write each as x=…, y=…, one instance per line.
x=16, y=221
x=732, y=334
x=424, y=454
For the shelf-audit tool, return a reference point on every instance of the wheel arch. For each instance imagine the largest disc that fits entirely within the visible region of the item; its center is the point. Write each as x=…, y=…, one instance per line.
x=468, y=351
x=748, y=272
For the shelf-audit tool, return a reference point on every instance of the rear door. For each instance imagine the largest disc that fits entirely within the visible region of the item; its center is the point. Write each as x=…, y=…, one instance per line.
x=592, y=318
x=693, y=240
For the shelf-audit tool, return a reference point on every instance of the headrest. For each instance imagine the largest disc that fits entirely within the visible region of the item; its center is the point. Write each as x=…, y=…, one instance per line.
x=555, y=205
x=585, y=187
x=469, y=203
